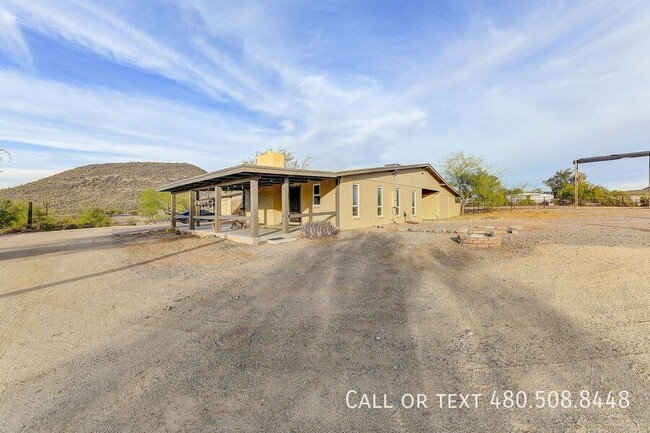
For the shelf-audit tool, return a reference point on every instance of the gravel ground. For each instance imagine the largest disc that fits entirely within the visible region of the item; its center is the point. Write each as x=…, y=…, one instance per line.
x=173, y=333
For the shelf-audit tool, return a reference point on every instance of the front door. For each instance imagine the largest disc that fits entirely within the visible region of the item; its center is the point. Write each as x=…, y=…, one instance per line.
x=294, y=202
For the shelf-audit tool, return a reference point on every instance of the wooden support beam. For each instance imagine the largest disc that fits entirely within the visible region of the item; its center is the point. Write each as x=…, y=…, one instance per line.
x=172, y=207
x=337, y=200
x=312, y=214
x=197, y=214
x=238, y=181
x=217, y=209
x=285, y=205
x=254, y=209
x=192, y=209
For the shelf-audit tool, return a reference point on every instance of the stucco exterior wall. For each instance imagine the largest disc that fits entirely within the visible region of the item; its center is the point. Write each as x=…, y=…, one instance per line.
x=270, y=201
x=437, y=202
x=435, y=206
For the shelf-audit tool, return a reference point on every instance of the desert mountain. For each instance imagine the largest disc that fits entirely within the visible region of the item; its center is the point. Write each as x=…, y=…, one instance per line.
x=114, y=186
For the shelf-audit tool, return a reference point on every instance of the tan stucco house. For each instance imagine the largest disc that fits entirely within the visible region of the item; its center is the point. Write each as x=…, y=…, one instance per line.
x=273, y=195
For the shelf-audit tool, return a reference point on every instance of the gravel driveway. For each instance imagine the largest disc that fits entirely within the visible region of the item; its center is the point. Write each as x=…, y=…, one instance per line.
x=154, y=332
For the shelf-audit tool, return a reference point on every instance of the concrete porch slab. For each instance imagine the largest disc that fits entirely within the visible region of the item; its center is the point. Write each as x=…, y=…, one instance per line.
x=265, y=233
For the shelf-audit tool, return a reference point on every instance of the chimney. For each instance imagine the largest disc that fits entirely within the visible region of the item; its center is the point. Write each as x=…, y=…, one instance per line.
x=271, y=159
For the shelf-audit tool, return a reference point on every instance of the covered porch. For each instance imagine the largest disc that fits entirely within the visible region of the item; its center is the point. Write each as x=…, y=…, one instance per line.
x=274, y=202
x=245, y=235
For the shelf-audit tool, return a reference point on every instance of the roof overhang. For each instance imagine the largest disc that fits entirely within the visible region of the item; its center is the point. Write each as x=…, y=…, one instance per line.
x=397, y=168
x=239, y=177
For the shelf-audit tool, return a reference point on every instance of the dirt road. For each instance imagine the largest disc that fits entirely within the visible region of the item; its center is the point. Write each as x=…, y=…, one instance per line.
x=173, y=333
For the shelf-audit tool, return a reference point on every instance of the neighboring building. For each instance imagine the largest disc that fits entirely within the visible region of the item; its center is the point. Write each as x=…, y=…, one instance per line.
x=535, y=197
x=638, y=196
x=277, y=196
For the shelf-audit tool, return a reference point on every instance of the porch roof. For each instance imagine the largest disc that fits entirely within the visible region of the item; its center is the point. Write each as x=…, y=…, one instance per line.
x=240, y=175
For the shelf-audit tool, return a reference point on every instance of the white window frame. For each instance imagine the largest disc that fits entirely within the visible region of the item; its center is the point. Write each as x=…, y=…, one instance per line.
x=356, y=206
x=380, y=202
x=398, y=202
x=314, y=195
x=414, y=200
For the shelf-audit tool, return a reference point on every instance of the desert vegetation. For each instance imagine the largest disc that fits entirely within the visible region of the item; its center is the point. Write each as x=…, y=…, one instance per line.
x=156, y=206
x=318, y=230
x=477, y=183
x=14, y=218
x=114, y=187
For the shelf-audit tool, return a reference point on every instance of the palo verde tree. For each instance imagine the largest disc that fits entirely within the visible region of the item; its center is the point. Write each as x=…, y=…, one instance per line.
x=459, y=170
x=487, y=188
x=153, y=203
x=472, y=179
x=290, y=159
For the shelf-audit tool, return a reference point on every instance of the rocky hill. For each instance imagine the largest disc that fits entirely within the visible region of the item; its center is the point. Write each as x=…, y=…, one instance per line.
x=114, y=186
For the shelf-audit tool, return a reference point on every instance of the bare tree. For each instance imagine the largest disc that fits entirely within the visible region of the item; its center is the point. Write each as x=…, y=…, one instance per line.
x=290, y=160
x=3, y=154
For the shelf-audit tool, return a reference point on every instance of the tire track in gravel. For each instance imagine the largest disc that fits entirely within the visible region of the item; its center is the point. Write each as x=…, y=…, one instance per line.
x=32, y=300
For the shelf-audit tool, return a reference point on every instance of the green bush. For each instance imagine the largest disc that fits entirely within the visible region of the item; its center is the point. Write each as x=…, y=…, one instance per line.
x=10, y=213
x=94, y=217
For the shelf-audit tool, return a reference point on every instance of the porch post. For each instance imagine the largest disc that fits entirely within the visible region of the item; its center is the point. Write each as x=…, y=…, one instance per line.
x=172, y=207
x=198, y=214
x=285, y=205
x=192, y=209
x=337, y=200
x=254, y=209
x=217, y=209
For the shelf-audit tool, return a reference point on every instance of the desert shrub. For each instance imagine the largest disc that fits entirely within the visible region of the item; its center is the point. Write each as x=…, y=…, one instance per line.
x=50, y=223
x=131, y=222
x=10, y=213
x=527, y=201
x=94, y=217
x=319, y=229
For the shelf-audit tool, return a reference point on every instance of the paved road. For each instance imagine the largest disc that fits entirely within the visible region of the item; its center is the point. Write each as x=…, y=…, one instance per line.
x=26, y=244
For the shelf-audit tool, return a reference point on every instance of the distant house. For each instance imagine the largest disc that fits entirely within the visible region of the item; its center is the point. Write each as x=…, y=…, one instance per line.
x=638, y=195
x=535, y=197
x=273, y=195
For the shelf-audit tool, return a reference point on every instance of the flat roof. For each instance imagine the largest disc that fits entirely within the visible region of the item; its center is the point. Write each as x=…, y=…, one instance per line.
x=244, y=172
x=240, y=175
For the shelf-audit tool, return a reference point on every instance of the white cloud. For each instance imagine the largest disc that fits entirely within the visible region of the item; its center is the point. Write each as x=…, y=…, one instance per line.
x=530, y=94
x=11, y=39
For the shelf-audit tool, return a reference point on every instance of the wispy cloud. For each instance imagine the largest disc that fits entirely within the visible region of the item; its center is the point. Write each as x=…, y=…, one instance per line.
x=529, y=88
x=11, y=39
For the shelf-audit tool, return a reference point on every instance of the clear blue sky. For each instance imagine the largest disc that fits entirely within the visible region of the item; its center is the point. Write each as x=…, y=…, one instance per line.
x=528, y=85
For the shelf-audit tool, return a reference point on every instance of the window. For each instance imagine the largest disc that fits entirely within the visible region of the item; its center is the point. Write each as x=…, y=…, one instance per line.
x=355, y=199
x=413, y=200
x=317, y=194
x=380, y=201
x=397, y=201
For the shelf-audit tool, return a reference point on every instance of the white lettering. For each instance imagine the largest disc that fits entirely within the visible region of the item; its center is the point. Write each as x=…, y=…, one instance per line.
x=347, y=399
